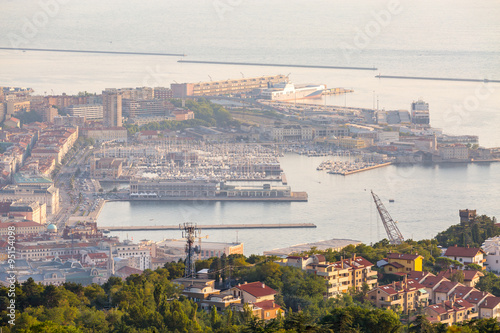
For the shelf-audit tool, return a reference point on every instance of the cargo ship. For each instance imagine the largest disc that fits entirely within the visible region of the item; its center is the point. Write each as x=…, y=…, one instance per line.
x=288, y=91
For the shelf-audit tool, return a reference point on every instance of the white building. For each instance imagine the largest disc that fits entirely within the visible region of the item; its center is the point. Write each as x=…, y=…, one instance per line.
x=292, y=133
x=141, y=255
x=466, y=255
x=492, y=248
x=89, y=111
x=387, y=137
x=420, y=112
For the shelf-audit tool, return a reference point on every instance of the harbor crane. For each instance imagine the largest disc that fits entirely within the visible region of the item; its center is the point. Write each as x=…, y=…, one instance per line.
x=395, y=237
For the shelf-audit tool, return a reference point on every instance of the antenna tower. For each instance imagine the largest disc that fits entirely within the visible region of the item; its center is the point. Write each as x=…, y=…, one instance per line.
x=190, y=231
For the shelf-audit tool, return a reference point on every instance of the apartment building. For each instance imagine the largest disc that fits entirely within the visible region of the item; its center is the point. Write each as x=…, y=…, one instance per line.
x=88, y=111
x=451, y=312
x=112, y=108
x=21, y=227
x=339, y=276
x=407, y=295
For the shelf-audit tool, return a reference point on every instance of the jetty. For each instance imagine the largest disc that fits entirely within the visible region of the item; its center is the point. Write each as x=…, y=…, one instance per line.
x=212, y=227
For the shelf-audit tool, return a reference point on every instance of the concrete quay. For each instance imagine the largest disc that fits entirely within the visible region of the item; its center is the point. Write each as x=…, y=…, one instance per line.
x=215, y=226
x=294, y=197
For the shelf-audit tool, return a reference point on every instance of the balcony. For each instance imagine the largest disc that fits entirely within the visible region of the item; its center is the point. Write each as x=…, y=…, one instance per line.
x=343, y=279
x=391, y=303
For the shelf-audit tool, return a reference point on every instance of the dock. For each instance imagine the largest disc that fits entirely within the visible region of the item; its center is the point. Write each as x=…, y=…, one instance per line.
x=212, y=227
x=283, y=179
x=337, y=91
x=365, y=169
x=294, y=197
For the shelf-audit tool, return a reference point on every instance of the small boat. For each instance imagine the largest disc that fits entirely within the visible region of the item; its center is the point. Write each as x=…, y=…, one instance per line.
x=391, y=200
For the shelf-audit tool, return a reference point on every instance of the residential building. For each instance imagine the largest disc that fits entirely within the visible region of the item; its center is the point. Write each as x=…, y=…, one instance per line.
x=451, y=312
x=88, y=111
x=407, y=296
x=136, y=93
x=14, y=106
x=490, y=308
x=253, y=292
x=181, y=115
x=163, y=93
x=31, y=211
x=466, y=255
x=491, y=247
x=339, y=276
x=48, y=195
x=12, y=123
x=140, y=108
x=112, y=108
x=140, y=255
x=471, y=276
x=21, y=227
x=403, y=263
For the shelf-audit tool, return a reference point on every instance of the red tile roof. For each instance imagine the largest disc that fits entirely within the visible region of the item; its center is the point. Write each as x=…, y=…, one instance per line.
x=490, y=302
x=419, y=276
x=127, y=270
x=257, y=289
x=477, y=296
x=457, y=251
x=99, y=255
x=469, y=274
x=433, y=281
x=267, y=305
x=462, y=291
x=446, y=287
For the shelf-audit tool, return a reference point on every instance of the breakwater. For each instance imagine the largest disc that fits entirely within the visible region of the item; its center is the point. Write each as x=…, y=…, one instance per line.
x=274, y=65
x=93, y=51
x=434, y=78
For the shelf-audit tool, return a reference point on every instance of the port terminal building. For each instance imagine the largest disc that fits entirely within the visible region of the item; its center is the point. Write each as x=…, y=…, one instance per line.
x=225, y=87
x=141, y=189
